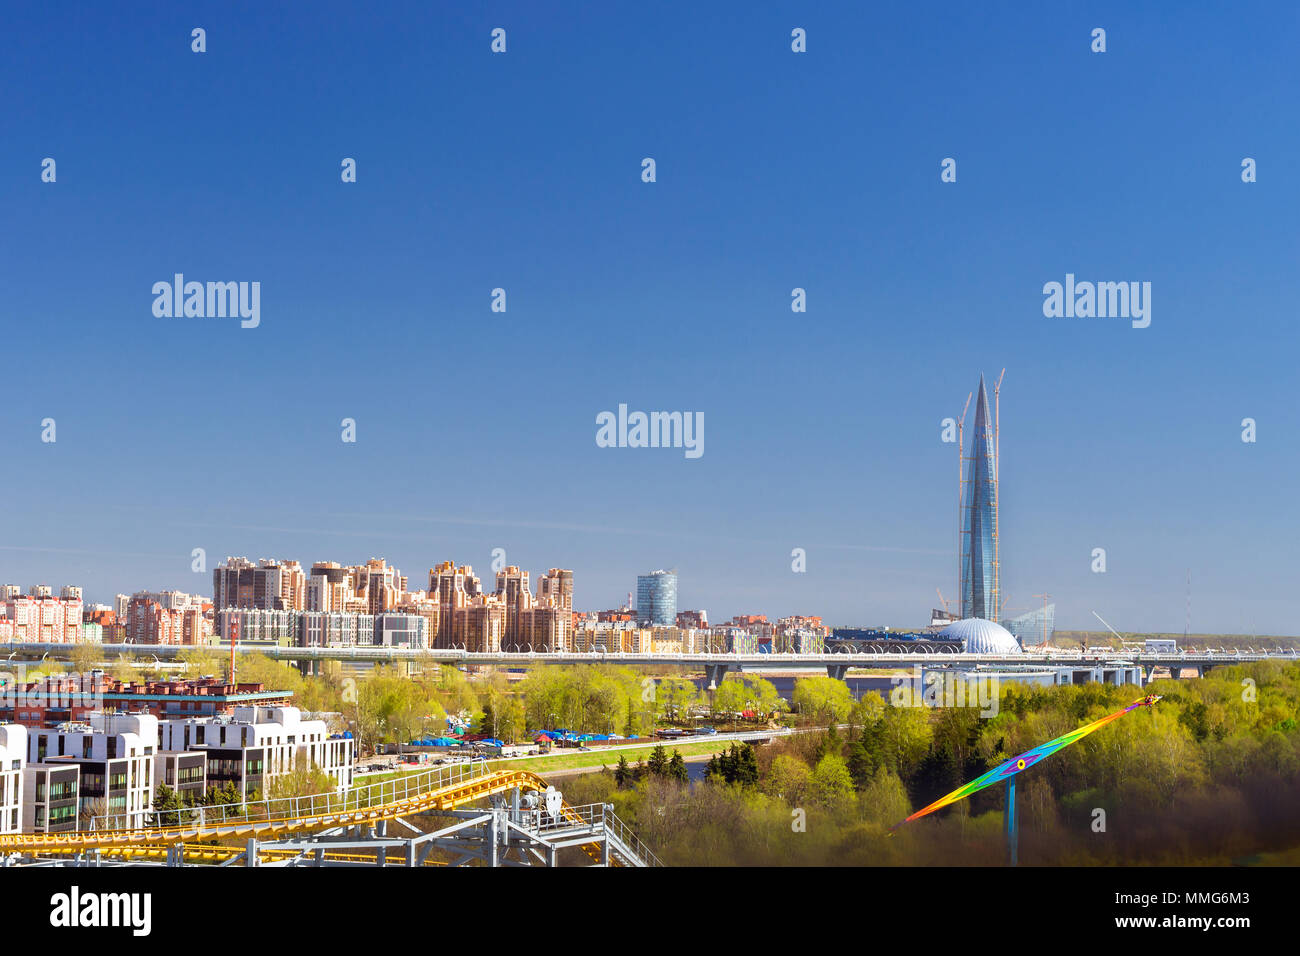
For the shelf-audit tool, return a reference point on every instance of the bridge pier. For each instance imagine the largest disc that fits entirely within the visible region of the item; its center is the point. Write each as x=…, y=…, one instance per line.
x=714, y=674
x=837, y=671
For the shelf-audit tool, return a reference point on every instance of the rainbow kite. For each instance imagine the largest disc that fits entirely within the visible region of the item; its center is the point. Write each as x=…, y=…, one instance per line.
x=1010, y=768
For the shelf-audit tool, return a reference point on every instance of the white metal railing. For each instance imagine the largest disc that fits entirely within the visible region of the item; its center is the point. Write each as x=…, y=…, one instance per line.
x=623, y=833
x=309, y=806
x=363, y=652
x=595, y=817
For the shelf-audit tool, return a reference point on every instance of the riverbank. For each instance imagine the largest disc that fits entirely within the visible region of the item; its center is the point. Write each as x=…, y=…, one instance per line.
x=586, y=760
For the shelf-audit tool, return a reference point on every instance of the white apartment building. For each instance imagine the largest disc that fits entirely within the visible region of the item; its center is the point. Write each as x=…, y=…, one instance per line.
x=401, y=630
x=336, y=628
x=116, y=755
x=253, y=745
x=13, y=756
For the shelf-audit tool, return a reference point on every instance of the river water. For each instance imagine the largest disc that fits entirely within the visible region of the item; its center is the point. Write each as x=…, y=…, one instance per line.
x=857, y=685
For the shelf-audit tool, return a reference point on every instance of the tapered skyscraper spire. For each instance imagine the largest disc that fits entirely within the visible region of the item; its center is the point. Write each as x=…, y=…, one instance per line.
x=979, y=519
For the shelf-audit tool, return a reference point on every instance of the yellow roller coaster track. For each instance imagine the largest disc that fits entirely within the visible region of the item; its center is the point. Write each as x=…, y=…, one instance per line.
x=152, y=842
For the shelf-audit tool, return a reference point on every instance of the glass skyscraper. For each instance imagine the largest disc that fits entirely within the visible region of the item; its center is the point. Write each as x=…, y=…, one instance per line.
x=656, y=598
x=979, y=519
x=1035, y=627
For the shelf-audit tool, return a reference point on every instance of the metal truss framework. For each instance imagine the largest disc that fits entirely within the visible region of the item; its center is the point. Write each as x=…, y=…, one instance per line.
x=527, y=822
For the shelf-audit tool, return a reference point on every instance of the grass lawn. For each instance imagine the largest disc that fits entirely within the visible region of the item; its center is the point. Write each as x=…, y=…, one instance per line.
x=574, y=760
x=561, y=759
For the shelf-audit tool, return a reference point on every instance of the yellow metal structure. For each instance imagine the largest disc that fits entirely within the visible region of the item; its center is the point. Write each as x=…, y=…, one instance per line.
x=152, y=842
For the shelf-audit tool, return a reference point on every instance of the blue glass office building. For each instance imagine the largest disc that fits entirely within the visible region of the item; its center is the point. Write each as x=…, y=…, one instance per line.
x=979, y=519
x=656, y=599
x=1035, y=627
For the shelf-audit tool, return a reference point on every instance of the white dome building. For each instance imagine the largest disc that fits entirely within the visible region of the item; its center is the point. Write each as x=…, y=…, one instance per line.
x=980, y=636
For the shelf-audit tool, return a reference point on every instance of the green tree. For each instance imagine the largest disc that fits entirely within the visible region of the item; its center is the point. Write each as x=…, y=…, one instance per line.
x=832, y=786
x=658, y=763
x=275, y=675
x=86, y=657
x=675, y=696
x=622, y=773
x=737, y=764
x=884, y=799
x=303, y=779
x=788, y=778
x=823, y=698
x=167, y=804
x=677, y=768
x=197, y=661
x=124, y=669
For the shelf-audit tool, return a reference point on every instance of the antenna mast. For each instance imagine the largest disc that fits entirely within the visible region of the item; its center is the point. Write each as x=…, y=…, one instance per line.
x=961, y=496
x=997, y=491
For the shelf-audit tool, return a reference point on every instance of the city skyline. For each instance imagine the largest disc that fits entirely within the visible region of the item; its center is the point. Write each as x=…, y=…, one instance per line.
x=477, y=429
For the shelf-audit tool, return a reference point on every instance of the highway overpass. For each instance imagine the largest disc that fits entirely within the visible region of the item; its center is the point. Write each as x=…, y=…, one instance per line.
x=716, y=665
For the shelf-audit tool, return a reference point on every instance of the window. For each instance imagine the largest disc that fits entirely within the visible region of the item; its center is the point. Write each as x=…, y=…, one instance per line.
x=62, y=791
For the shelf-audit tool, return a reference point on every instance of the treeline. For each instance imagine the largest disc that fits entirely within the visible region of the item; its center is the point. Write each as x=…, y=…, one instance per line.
x=605, y=699
x=658, y=765
x=1209, y=775
x=386, y=705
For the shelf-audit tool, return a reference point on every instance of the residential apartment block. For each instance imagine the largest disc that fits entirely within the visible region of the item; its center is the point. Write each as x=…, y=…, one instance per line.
x=254, y=745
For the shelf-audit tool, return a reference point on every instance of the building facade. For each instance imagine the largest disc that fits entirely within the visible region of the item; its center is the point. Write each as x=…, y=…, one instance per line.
x=115, y=754
x=979, y=569
x=51, y=797
x=271, y=585
x=656, y=599
x=42, y=619
x=1035, y=627
x=13, y=757
x=253, y=746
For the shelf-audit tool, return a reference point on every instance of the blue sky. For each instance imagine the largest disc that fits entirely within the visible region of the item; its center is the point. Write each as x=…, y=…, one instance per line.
x=476, y=430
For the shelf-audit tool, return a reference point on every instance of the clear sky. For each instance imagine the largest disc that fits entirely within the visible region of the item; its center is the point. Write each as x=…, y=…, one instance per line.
x=775, y=170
